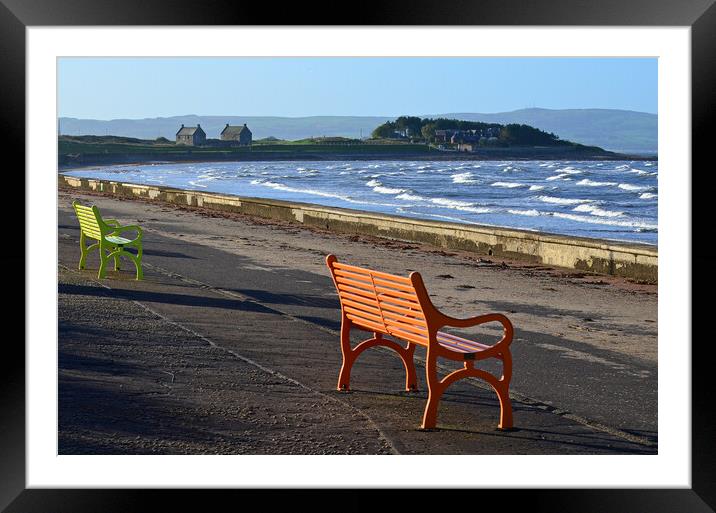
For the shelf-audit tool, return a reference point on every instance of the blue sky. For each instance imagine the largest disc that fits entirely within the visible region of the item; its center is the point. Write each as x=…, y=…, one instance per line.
x=145, y=87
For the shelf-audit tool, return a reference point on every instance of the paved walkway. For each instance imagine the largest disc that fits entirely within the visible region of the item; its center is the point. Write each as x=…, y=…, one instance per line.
x=218, y=352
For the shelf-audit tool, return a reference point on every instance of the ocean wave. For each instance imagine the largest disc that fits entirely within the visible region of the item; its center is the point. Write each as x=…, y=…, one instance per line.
x=561, y=176
x=647, y=195
x=536, y=187
x=608, y=222
x=569, y=170
x=563, y=201
x=444, y=202
x=463, y=178
x=409, y=197
x=509, y=185
x=597, y=211
x=381, y=189
x=630, y=187
x=531, y=213
x=438, y=216
x=592, y=183
x=387, y=190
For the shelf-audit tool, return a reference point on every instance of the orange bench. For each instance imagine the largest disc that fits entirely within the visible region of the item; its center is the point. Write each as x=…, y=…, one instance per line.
x=400, y=307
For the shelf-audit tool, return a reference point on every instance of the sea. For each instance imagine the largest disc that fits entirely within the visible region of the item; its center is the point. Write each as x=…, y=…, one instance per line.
x=612, y=200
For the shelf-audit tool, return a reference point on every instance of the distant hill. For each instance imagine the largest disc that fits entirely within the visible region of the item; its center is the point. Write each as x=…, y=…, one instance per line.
x=615, y=130
x=290, y=129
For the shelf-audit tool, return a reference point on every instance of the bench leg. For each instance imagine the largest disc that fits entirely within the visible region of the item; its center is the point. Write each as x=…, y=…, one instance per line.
x=83, y=252
x=503, y=392
x=102, y=264
x=411, y=378
x=435, y=391
x=344, y=378
x=436, y=387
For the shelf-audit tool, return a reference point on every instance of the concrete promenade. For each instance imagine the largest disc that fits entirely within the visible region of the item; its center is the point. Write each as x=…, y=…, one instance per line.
x=230, y=346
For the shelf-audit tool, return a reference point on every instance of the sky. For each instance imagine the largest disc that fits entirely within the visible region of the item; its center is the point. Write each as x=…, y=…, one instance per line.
x=147, y=87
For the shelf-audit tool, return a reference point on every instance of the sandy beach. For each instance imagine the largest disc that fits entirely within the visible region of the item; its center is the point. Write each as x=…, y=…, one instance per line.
x=585, y=345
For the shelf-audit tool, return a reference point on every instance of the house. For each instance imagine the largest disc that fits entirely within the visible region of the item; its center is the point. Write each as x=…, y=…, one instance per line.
x=191, y=135
x=239, y=134
x=468, y=147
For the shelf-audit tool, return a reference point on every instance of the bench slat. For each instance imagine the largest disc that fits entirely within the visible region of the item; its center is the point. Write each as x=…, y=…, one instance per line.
x=404, y=318
x=355, y=290
x=365, y=323
x=354, y=276
x=406, y=327
x=354, y=283
x=368, y=301
x=402, y=312
x=394, y=285
x=362, y=313
x=460, y=340
x=423, y=341
x=379, y=274
x=396, y=293
x=411, y=305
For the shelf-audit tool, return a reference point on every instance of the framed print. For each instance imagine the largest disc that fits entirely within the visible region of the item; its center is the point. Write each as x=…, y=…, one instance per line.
x=577, y=460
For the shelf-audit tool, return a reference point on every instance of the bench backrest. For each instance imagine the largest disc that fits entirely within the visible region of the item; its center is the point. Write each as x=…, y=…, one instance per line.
x=382, y=302
x=89, y=220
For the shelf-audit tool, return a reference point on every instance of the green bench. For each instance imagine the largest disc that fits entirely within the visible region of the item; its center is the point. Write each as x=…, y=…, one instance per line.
x=110, y=242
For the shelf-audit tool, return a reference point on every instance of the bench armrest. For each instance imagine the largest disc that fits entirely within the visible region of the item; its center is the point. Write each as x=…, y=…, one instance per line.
x=482, y=319
x=111, y=222
x=130, y=227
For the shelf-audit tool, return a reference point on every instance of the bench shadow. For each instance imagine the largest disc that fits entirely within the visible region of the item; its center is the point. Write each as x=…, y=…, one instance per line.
x=291, y=299
x=584, y=439
x=161, y=297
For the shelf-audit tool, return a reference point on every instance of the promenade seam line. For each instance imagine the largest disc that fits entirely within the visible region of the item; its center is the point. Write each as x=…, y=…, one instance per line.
x=272, y=372
x=641, y=440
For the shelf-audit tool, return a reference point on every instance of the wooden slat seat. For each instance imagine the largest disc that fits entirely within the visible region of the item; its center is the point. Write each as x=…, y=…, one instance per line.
x=400, y=307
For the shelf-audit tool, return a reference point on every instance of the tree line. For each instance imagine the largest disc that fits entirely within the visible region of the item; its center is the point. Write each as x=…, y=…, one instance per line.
x=513, y=134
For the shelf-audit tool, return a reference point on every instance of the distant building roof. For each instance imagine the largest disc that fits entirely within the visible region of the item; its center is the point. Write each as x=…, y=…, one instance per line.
x=188, y=130
x=231, y=131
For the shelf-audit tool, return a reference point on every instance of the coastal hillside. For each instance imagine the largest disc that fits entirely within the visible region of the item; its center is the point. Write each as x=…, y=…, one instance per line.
x=615, y=130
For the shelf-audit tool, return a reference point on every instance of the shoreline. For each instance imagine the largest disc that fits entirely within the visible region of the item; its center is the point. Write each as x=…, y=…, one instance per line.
x=634, y=260
x=513, y=154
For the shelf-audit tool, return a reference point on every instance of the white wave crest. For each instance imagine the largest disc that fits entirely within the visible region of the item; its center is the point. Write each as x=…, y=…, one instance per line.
x=592, y=183
x=450, y=203
x=561, y=176
x=387, y=190
x=463, y=178
x=536, y=187
x=608, y=222
x=630, y=187
x=531, y=213
x=409, y=197
x=597, y=211
x=563, y=201
x=647, y=195
x=569, y=170
x=509, y=185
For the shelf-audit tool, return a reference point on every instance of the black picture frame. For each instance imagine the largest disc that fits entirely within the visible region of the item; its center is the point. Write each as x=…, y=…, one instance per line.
x=699, y=15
